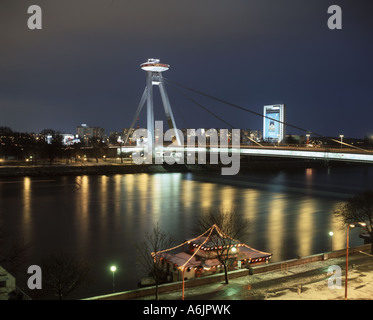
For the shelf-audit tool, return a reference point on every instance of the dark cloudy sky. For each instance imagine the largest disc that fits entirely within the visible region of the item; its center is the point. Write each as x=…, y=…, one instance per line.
x=83, y=66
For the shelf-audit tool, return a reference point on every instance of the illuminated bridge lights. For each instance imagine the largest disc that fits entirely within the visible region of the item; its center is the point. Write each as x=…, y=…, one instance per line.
x=306, y=154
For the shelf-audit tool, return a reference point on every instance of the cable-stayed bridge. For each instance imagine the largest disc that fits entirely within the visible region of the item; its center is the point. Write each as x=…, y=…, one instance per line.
x=267, y=151
x=180, y=149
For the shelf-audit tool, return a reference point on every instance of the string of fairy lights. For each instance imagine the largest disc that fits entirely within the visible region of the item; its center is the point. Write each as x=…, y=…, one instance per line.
x=201, y=245
x=154, y=254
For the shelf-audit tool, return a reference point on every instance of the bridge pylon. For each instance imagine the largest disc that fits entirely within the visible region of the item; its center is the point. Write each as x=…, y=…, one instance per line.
x=154, y=69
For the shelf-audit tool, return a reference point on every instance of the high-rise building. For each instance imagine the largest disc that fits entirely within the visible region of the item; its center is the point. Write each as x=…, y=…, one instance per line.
x=273, y=123
x=85, y=132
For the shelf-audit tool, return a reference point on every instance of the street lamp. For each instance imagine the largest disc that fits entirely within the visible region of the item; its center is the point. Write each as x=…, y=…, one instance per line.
x=352, y=225
x=113, y=269
x=341, y=136
x=331, y=240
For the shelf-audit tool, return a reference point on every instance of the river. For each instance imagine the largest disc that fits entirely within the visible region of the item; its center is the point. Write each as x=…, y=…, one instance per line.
x=102, y=218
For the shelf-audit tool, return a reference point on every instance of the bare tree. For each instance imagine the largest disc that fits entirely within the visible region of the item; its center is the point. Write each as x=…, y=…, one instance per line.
x=358, y=208
x=231, y=225
x=13, y=255
x=64, y=273
x=98, y=147
x=149, y=263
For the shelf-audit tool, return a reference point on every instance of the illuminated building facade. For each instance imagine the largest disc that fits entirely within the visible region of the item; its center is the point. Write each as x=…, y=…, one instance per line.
x=85, y=132
x=273, y=123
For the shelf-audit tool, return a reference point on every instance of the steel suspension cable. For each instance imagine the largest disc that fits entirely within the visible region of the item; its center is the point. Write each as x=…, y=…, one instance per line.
x=210, y=112
x=256, y=113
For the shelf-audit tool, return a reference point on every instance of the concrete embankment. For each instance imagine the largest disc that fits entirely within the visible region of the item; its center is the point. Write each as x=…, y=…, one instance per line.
x=65, y=170
x=246, y=165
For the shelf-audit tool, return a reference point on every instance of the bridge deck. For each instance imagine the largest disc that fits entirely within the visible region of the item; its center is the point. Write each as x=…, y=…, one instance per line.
x=288, y=152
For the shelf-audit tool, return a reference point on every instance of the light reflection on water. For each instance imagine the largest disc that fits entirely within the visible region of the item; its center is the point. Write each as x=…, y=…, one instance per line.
x=101, y=218
x=27, y=225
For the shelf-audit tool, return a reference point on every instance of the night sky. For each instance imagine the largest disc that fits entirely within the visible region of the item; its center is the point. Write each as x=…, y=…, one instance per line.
x=83, y=66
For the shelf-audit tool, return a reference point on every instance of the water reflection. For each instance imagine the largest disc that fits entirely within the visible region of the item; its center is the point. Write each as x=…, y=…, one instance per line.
x=305, y=226
x=156, y=195
x=276, y=224
x=227, y=196
x=130, y=194
x=105, y=216
x=27, y=230
x=338, y=240
x=117, y=197
x=251, y=198
x=206, y=195
x=82, y=213
x=187, y=194
x=309, y=172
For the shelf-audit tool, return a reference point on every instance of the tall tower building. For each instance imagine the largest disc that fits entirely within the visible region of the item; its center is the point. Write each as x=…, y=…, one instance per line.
x=154, y=69
x=274, y=123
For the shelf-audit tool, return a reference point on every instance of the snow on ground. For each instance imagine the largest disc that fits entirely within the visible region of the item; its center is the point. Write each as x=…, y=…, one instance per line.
x=360, y=287
x=304, y=282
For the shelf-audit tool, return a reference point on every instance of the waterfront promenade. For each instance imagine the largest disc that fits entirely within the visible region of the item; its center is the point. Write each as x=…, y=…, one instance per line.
x=306, y=281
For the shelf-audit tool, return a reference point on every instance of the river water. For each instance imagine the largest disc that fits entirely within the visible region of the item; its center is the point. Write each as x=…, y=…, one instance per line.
x=102, y=218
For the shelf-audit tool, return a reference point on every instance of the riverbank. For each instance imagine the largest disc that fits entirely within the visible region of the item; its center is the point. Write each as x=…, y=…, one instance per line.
x=19, y=169
x=84, y=169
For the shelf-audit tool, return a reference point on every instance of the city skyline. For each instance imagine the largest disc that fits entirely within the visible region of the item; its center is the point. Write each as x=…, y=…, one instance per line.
x=84, y=65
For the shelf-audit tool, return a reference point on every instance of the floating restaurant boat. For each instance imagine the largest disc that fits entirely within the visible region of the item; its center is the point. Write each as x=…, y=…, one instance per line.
x=200, y=257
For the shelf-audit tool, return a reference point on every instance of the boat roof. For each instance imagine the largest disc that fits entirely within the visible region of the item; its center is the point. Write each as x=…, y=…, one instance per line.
x=181, y=258
x=213, y=241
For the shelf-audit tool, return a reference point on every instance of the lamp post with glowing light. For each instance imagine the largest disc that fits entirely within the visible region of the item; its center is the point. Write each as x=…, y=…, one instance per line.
x=113, y=269
x=331, y=240
x=352, y=225
x=341, y=136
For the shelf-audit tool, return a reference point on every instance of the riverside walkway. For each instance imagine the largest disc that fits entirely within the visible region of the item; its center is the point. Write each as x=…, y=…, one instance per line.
x=305, y=281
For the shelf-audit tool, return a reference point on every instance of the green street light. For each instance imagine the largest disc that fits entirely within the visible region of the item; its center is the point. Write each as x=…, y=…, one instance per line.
x=113, y=269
